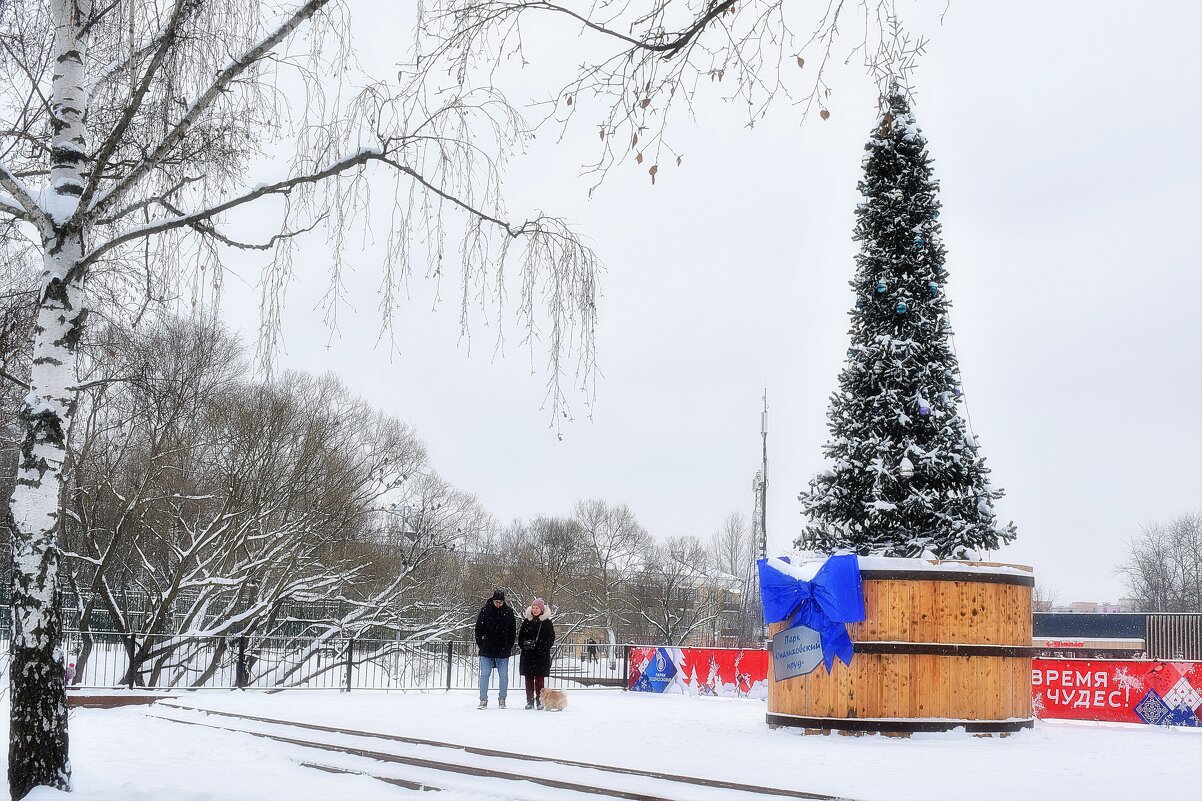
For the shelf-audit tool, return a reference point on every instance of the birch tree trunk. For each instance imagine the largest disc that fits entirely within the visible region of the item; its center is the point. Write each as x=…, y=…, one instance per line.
x=38, y=727
x=38, y=721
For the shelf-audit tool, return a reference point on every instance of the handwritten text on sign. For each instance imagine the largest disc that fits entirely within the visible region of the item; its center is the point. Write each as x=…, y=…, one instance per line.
x=795, y=652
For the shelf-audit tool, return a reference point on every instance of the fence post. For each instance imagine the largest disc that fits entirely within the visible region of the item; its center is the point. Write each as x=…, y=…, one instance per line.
x=350, y=661
x=240, y=677
x=450, y=661
x=625, y=667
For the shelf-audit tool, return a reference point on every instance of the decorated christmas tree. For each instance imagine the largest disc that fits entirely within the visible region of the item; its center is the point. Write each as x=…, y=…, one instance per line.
x=906, y=477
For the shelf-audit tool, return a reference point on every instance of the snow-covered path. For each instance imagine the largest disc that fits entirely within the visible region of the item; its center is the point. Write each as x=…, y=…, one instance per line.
x=422, y=763
x=128, y=754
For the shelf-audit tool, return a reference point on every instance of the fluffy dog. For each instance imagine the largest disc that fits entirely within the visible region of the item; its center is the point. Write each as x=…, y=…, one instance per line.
x=553, y=699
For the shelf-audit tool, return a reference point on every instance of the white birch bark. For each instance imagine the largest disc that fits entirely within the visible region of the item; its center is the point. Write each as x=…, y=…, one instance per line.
x=38, y=726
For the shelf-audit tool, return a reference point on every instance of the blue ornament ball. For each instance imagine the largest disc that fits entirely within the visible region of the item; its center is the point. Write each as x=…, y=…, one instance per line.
x=881, y=286
x=958, y=392
x=902, y=308
x=933, y=288
x=919, y=241
x=923, y=411
x=860, y=303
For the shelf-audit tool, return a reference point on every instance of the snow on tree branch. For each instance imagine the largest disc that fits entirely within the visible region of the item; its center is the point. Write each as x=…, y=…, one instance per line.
x=20, y=201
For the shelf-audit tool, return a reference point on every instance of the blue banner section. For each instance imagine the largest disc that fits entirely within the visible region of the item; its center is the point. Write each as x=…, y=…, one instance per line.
x=657, y=674
x=824, y=603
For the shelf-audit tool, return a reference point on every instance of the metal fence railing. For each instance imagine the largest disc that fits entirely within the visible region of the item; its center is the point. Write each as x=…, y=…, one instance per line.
x=168, y=662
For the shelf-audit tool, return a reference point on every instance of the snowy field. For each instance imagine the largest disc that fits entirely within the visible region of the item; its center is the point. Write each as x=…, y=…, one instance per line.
x=129, y=755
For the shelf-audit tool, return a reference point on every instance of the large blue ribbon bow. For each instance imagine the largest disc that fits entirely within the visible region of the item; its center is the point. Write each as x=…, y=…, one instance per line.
x=824, y=603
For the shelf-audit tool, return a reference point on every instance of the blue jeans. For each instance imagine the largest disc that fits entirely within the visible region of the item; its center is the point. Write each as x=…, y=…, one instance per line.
x=487, y=663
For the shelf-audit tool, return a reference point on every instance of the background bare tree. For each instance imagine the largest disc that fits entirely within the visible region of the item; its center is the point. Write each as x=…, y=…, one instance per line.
x=606, y=576
x=204, y=506
x=729, y=546
x=1043, y=598
x=135, y=441
x=429, y=535
x=733, y=549
x=1163, y=570
x=672, y=596
x=615, y=544
x=546, y=558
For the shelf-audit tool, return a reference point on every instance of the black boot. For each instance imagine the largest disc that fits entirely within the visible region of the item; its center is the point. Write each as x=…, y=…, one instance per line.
x=530, y=703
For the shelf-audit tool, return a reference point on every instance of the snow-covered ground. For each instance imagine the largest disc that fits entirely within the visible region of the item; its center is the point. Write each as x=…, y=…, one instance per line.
x=129, y=755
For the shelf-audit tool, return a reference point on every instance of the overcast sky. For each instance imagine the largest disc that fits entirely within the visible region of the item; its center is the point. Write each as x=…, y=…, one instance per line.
x=1067, y=140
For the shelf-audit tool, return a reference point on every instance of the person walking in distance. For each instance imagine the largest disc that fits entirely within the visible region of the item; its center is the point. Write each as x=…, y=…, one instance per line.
x=494, y=638
x=535, y=638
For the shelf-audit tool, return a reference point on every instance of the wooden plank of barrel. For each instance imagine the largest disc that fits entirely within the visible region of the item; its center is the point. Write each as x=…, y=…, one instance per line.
x=943, y=645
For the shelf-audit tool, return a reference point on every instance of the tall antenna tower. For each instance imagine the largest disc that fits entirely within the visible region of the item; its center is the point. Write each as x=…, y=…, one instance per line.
x=760, y=487
x=759, y=528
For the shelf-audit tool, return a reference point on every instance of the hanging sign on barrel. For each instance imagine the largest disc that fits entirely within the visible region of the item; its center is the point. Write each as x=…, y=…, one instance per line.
x=796, y=651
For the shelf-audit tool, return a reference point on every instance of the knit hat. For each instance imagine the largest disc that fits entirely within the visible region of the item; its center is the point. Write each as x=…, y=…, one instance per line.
x=538, y=602
x=497, y=595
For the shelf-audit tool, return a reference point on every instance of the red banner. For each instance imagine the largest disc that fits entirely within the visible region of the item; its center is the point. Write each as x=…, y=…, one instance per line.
x=1118, y=690
x=700, y=671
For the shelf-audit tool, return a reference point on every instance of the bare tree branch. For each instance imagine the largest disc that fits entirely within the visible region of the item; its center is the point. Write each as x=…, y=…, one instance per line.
x=669, y=44
x=669, y=55
x=20, y=202
x=200, y=106
x=179, y=12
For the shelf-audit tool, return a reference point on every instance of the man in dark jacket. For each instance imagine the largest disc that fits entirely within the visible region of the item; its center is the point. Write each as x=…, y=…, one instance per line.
x=496, y=629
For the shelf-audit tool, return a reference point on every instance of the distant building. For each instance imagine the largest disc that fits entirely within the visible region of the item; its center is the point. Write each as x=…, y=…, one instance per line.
x=1167, y=635
x=1089, y=647
x=1103, y=607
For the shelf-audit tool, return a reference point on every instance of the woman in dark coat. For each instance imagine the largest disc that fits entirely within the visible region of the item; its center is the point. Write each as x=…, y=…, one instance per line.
x=536, y=635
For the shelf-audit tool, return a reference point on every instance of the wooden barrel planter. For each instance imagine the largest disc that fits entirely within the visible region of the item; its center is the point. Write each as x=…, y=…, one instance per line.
x=943, y=645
